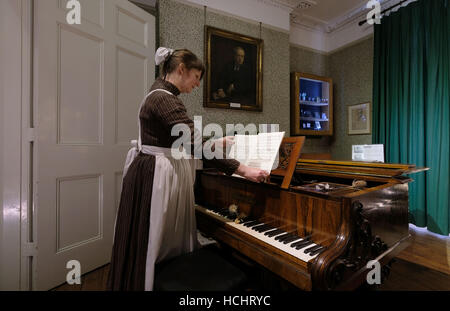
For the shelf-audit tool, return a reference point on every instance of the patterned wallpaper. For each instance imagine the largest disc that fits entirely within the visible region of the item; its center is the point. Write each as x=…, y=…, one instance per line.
x=182, y=26
x=307, y=61
x=352, y=73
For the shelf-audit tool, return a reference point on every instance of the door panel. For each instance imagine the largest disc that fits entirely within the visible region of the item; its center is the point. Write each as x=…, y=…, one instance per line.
x=89, y=82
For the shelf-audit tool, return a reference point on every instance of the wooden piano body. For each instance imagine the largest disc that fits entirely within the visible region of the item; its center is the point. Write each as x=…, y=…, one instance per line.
x=355, y=225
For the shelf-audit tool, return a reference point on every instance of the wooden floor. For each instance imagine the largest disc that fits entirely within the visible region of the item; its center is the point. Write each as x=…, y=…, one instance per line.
x=412, y=277
x=93, y=281
x=428, y=249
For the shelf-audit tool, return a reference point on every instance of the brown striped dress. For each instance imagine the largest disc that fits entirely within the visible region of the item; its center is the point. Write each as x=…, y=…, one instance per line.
x=144, y=231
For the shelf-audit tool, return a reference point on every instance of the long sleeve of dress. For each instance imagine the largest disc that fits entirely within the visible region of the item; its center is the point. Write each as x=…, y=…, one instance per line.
x=161, y=112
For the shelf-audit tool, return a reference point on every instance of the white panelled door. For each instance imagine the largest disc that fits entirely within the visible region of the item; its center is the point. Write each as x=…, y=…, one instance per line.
x=89, y=82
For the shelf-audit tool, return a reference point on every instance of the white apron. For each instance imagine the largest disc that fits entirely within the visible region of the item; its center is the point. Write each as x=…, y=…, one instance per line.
x=173, y=229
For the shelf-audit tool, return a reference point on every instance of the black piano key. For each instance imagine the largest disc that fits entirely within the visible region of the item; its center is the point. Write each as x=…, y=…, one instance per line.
x=247, y=220
x=290, y=236
x=228, y=214
x=247, y=223
x=274, y=233
x=282, y=237
x=262, y=228
x=299, y=242
x=256, y=225
x=313, y=248
x=266, y=229
x=218, y=211
x=252, y=223
x=317, y=251
x=221, y=212
x=290, y=239
x=303, y=240
x=304, y=245
x=259, y=226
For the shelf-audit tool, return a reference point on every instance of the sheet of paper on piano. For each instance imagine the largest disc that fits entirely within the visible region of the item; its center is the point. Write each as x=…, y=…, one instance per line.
x=258, y=151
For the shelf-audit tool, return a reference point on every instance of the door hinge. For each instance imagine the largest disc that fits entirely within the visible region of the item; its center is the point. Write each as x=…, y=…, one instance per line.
x=29, y=249
x=30, y=134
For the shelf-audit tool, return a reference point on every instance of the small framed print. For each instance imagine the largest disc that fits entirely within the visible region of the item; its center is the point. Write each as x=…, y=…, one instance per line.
x=359, y=119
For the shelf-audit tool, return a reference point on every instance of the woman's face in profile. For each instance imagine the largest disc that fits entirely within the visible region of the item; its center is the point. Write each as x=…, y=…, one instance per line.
x=190, y=80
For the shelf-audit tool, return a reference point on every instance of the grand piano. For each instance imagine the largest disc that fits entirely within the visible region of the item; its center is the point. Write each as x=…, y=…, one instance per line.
x=315, y=223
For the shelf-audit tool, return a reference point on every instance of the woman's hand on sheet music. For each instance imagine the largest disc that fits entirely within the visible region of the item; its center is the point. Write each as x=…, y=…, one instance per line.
x=251, y=173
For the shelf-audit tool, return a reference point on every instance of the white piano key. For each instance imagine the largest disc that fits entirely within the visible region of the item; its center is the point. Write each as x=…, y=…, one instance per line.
x=298, y=253
x=212, y=213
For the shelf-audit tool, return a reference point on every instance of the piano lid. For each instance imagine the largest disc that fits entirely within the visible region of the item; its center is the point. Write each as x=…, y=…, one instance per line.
x=357, y=168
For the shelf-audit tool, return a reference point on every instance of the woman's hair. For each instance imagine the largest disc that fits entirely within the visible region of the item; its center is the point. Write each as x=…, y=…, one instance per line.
x=189, y=59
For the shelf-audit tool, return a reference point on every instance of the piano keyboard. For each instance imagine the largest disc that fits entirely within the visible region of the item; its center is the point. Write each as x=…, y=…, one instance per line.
x=301, y=248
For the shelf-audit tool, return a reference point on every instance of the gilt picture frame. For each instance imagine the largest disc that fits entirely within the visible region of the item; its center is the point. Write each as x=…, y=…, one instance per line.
x=359, y=119
x=233, y=78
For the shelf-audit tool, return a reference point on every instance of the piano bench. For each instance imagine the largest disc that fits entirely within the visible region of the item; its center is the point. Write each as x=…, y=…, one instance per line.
x=202, y=270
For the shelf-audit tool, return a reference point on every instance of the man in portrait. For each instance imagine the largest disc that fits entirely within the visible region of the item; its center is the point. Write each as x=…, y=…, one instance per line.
x=235, y=80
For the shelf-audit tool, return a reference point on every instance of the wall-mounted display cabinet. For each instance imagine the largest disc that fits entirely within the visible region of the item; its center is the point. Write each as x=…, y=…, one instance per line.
x=311, y=104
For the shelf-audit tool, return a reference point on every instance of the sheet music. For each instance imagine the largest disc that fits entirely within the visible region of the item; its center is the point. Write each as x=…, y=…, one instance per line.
x=368, y=153
x=258, y=151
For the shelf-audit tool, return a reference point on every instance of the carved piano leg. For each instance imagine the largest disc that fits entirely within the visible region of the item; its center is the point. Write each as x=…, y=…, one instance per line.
x=344, y=266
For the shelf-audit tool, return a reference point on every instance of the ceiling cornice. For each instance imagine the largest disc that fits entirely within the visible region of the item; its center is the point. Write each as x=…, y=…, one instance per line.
x=276, y=4
x=357, y=13
x=305, y=26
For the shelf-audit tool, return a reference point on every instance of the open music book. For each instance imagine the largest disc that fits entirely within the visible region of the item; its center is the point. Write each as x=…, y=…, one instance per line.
x=258, y=151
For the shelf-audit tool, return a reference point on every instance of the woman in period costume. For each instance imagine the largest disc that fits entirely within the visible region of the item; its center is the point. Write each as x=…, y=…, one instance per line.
x=156, y=216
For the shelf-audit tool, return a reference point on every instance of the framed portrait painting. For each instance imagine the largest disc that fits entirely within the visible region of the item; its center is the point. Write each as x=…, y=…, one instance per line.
x=359, y=119
x=233, y=77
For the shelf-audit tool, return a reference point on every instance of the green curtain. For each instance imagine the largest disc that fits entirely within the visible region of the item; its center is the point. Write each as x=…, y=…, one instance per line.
x=411, y=103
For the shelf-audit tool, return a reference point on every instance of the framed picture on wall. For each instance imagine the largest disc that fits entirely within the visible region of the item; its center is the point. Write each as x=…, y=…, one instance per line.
x=359, y=119
x=233, y=70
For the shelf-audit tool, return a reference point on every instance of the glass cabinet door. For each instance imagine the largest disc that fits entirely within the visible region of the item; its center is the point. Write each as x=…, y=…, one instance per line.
x=311, y=105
